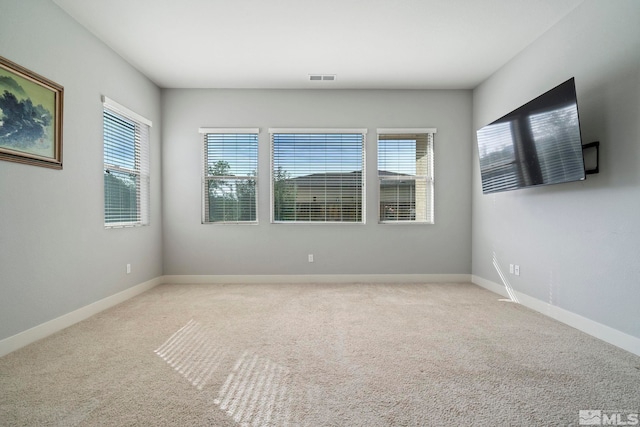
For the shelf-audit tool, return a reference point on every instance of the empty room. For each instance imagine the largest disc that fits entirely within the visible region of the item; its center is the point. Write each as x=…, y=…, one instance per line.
x=338, y=213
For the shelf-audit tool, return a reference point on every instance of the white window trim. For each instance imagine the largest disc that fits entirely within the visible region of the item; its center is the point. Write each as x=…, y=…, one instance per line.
x=229, y=130
x=430, y=179
x=145, y=203
x=119, y=108
x=362, y=131
x=402, y=131
x=318, y=130
x=215, y=130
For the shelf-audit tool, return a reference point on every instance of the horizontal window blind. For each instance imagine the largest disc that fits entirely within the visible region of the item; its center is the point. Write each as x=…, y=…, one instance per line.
x=230, y=176
x=405, y=174
x=318, y=175
x=498, y=159
x=126, y=170
x=559, y=150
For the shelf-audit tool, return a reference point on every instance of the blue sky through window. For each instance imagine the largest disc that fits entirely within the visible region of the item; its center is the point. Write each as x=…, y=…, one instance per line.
x=306, y=154
x=238, y=150
x=397, y=156
x=119, y=141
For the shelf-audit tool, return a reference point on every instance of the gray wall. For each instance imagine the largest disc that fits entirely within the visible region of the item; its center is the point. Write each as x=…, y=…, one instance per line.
x=55, y=255
x=577, y=244
x=193, y=248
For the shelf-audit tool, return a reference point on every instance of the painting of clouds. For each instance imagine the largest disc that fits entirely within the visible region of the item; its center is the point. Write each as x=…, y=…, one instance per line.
x=27, y=112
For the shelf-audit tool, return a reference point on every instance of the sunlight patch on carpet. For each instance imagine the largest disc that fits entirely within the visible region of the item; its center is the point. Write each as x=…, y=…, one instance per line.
x=191, y=352
x=257, y=392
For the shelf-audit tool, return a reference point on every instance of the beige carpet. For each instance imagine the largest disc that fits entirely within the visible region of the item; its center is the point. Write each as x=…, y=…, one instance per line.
x=317, y=355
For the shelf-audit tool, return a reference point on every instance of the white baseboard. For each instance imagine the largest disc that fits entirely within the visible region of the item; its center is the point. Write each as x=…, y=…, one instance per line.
x=43, y=330
x=320, y=278
x=593, y=328
x=598, y=330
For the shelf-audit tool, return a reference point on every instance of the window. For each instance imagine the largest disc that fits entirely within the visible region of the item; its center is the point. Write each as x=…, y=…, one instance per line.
x=317, y=175
x=230, y=175
x=126, y=166
x=558, y=145
x=498, y=160
x=405, y=174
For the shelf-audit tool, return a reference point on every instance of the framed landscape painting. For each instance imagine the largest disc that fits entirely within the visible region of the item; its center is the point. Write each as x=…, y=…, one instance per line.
x=30, y=117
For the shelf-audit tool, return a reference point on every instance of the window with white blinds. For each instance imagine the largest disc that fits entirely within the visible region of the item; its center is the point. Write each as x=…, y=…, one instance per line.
x=405, y=174
x=317, y=175
x=230, y=176
x=498, y=158
x=126, y=166
x=558, y=145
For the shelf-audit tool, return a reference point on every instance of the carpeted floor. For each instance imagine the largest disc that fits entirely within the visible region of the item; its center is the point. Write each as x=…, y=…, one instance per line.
x=317, y=355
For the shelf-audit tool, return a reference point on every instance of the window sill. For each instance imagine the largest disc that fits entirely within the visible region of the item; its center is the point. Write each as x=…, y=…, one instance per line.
x=124, y=225
x=406, y=222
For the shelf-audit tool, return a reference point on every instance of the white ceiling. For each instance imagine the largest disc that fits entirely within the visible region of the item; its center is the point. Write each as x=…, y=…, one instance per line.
x=368, y=44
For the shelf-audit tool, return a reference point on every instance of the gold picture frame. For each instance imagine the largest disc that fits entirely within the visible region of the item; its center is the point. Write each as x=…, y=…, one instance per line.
x=30, y=117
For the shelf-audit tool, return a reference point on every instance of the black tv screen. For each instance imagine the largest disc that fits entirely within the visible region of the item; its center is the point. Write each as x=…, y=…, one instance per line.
x=536, y=144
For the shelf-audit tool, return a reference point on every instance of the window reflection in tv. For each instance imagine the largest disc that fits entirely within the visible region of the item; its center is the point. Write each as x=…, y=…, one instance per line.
x=536, y=144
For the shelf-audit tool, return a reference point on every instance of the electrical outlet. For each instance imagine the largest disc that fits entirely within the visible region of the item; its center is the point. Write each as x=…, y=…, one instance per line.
x=128, y=268
x=310, y=257
x=511, y=268
x=517, y=270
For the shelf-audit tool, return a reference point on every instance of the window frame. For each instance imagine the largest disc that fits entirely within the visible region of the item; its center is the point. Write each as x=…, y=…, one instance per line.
x=320, y=131
x=207, y=177
x=141, y=160
x=428, y=179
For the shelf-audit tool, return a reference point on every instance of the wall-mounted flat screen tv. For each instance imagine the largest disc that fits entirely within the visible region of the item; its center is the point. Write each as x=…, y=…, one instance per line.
x=536, y=144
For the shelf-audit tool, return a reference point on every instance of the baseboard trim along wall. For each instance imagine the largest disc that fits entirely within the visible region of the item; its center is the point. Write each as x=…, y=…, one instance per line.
x=320, y=278
x=595, y=329
x=588, y=326
x=43, y=330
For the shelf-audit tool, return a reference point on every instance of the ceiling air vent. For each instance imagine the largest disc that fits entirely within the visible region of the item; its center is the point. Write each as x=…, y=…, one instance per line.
x=322, y=77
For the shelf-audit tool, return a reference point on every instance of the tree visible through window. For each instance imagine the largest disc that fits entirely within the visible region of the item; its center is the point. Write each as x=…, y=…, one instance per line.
x=317, y=175
x=230, y=176
x=126, y=166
